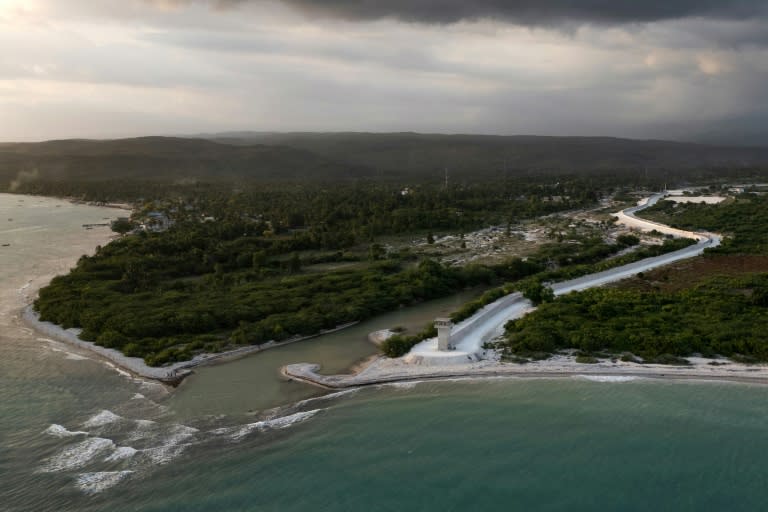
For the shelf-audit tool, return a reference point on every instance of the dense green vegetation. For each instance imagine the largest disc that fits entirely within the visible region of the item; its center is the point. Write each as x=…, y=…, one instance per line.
x=289, y=235
x=727, y=317
x=527, y=276
x=274, y=261
x=155, y=167
x=166, y=319
x=744, y=219
x=415, y=154
x=723, y=316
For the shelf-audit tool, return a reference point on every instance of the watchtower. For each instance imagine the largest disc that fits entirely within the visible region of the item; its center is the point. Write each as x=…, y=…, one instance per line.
x=444, y=326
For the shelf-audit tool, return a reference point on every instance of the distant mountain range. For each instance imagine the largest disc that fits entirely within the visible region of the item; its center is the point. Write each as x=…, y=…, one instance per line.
x=321, y=156
x=414, y=153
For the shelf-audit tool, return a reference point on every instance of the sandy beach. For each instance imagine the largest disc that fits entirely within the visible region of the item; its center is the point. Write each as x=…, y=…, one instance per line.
x=171, y=374
x=385, y=370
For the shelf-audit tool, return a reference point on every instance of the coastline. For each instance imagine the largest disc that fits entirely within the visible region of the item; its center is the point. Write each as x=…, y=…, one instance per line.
x=74, y=200
x=172, y=374
x=425, y=362
x=380, y=370
x=388, y=371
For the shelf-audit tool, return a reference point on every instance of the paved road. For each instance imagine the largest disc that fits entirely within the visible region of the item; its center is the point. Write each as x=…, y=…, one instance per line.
x=468, y=336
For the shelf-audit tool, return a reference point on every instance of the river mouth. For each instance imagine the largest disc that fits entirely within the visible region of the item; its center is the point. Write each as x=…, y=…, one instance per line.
x=254, y=383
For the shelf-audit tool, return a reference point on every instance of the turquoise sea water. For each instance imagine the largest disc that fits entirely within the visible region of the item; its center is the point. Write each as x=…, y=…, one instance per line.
x=78, y=435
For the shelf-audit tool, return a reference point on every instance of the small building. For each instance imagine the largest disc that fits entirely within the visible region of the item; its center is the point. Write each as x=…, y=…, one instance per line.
x=444, y=326
x=156, y=221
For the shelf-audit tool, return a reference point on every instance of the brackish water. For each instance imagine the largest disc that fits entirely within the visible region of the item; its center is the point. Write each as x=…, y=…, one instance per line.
x=75, y=434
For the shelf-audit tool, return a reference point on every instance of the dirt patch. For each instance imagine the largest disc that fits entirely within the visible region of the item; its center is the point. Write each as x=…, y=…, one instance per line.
x=688, y=273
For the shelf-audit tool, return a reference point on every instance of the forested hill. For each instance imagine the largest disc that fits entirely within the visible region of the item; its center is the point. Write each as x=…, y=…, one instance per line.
x=162, y=158
x=415, y=153
x=69, y=167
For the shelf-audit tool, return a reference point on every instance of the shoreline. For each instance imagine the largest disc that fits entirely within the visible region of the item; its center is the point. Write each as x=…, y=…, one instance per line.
x=391, y=371
x=74, y=200
x=380, y=370
x=425, y=361
x=171, y=375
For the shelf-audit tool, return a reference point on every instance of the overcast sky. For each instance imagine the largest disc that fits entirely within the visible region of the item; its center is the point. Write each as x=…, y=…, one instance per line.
x=683, y=69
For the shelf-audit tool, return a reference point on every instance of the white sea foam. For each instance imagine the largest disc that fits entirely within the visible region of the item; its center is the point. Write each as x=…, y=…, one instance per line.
x=78, y=454
x=165, y=453
x=76, y=357
x=153, y=386
x=237, y=433
x=143, y=430
x=331, y=396
x=102, y=418
x=94, y=483
x=118, y=370
x=173, y=444
x=608, y=378
x=121, y=453
x=61, y=432
x=181, y=432
x=402, y=385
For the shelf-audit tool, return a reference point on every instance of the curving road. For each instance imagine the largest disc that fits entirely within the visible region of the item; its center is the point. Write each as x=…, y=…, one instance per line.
x=469, y=336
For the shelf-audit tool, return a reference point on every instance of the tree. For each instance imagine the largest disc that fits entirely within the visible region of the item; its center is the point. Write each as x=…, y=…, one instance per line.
x=294, y=265
x=627, y=240
x=121, y=225
x=258, y=259
x=536, y=292
x=376, y=252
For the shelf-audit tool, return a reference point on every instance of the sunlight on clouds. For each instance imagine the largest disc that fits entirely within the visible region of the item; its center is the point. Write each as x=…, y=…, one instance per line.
x=13, y=11
x=710, y=64
x=262, y=65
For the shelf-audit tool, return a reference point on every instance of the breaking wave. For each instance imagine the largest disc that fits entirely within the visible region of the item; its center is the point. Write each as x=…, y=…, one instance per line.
x=102, y=418
x=174, y=443
x=121, y=453
x=118, y=370
x=94, y=483
x=239, y=432
x=78, y=455
x=331, y=396
x=608, y=378
x=410, y=384
x=59, y=431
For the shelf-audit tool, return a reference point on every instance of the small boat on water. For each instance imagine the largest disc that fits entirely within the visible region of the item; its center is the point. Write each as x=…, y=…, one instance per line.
x=6, y=245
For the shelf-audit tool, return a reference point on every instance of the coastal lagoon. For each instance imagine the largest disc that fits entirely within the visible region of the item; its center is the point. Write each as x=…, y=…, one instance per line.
x=79, y=434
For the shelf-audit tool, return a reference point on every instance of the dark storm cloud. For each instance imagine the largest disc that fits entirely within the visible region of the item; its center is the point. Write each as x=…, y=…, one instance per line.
x=529, y=12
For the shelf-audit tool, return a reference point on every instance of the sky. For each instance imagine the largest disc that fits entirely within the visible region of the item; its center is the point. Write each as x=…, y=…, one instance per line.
x=674, y=69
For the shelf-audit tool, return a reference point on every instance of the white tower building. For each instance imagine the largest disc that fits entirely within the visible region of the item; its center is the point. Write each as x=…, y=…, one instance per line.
x=444, y=326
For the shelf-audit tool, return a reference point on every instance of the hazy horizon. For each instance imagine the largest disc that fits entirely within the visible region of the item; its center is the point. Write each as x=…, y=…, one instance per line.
x=685, y=70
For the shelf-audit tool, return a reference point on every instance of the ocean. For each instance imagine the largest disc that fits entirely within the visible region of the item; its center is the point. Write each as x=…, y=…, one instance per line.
x=78, y=434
